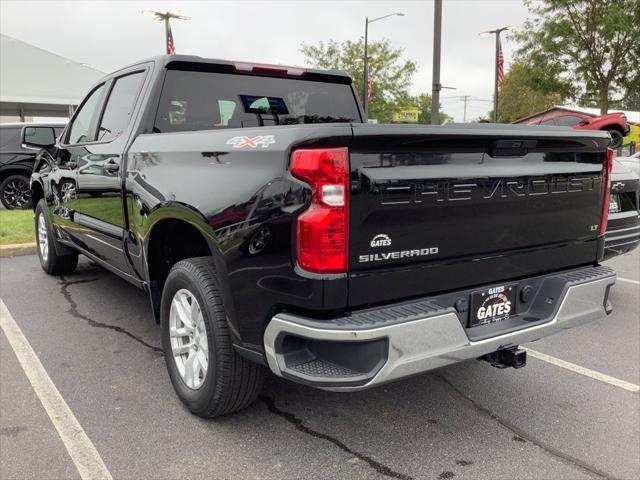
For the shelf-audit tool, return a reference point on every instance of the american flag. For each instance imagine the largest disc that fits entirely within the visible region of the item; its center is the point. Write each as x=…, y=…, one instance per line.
x=500, y=62
x=171, y=49
x=369, y=87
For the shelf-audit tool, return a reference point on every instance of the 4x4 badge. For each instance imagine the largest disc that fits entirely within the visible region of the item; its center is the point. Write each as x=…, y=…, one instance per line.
x=261, y=140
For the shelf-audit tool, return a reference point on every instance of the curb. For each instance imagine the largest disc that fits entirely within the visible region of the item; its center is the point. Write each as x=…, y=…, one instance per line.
x=17, y=249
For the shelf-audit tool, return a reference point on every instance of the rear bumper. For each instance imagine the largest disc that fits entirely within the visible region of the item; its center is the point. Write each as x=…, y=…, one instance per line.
x=376, y=346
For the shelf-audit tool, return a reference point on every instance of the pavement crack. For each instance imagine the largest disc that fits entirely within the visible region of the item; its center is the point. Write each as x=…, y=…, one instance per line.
x=522, y=435
x=300, y=426
x=73, y=310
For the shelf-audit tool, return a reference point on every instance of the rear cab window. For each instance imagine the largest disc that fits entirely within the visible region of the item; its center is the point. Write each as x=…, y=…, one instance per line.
x=120, y=105
x=194, y=100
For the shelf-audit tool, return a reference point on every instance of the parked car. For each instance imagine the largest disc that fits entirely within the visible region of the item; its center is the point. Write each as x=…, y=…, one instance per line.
x=614, y=123
x=623, y=227
x=272, y=227
x=16, y=164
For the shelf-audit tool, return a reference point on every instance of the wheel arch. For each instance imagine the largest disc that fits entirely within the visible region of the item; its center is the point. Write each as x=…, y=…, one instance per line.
x=37, y=193
x=613, y=126
x=9, y=170
x=176, y=232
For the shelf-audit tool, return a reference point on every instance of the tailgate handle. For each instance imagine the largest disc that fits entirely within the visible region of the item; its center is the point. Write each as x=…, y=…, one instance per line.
x=512, y=147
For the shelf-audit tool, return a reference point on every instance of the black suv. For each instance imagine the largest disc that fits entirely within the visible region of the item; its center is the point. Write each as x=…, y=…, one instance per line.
x=16, y=163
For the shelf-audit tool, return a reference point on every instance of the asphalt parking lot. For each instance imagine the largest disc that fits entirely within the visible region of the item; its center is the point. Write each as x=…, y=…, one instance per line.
x=94, y=335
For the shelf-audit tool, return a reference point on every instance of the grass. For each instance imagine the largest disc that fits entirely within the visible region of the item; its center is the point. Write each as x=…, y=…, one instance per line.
x=16, y=226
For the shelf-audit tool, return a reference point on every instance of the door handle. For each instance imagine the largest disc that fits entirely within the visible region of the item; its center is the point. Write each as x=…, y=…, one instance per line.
x=112, y=167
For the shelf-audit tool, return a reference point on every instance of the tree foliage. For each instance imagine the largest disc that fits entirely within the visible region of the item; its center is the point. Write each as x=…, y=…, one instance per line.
x=423, y=103
x=585, y=49
x=516, y=98
x=390, y=73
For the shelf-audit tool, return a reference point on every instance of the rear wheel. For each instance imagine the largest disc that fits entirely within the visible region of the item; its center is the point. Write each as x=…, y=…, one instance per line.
x=15, y=192
x=50, y=260
x=616, y=138
x=207, y=373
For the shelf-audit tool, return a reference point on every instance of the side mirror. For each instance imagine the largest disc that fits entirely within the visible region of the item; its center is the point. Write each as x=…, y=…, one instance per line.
x=35, y=138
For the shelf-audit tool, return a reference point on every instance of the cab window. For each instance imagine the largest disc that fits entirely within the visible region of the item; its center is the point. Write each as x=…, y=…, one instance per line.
x=569, y=120
x=79, y=131
x=120, y=105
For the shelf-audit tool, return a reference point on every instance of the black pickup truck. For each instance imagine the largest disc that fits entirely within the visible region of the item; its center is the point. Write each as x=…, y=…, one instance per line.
x=273, y=227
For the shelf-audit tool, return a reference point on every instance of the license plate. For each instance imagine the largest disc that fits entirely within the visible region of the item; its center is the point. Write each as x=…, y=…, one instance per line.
x=614, y=203
x=493, y=304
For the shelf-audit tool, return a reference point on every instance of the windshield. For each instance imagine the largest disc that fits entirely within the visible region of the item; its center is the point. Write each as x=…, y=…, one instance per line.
x=205, y=100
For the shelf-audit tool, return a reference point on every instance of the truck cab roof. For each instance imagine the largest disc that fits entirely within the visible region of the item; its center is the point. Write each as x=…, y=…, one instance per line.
x=194, y=62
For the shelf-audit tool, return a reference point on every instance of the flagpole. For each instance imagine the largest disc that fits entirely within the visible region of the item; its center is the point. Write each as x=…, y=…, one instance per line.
x=495, y=83
x=166, y=33
x=496, y=32
x=165, y=17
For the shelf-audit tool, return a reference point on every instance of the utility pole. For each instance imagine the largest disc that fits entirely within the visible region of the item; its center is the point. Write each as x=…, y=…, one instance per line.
x=496, y=32
x=465, y=98
x=165, y=17
x=436, y=86
x=365, y=79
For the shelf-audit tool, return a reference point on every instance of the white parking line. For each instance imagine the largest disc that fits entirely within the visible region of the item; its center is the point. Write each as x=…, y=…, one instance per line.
x=616, y=382
x=628, y=280
x=83, y=453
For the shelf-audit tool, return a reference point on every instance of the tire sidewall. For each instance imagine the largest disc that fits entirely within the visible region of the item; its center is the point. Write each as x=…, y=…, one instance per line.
x=616, y=138
x=41, y=210
x=196, y=400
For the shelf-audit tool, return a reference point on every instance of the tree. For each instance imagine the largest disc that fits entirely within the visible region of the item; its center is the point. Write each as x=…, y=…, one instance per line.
x=423, y=103
x=516, y=99
x=585, y=49
x=390, y=73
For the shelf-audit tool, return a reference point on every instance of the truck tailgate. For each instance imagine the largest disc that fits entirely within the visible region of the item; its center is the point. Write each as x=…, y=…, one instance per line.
x=441, y=208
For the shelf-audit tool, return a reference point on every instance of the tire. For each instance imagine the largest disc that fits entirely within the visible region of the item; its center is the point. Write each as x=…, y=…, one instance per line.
x=15, y=192
x=616, y=138
x=229, y=382
x=50, y=260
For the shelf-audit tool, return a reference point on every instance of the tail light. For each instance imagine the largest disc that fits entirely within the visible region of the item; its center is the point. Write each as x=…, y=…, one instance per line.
x=323, y=229
x=606, y=178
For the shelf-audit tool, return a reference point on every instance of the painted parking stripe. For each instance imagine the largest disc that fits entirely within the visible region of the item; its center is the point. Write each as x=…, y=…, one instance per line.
x=616, y=382
x=81, y=450
x=628, y=280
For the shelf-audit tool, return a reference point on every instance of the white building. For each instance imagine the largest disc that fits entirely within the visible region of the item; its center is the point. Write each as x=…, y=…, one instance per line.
x=38, y=83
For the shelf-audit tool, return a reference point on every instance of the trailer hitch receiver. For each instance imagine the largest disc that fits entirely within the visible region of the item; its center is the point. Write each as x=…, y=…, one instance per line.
x=509, y=357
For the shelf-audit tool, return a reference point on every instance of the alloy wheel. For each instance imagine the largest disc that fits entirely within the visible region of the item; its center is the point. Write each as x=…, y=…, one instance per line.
x=16, y=194
x=188, y=334
x=43, y=240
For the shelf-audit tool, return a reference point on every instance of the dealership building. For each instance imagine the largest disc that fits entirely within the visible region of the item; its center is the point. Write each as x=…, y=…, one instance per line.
x=37, y=83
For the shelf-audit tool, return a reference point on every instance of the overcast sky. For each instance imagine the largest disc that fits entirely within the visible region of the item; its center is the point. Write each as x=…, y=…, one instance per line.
x=108, y=35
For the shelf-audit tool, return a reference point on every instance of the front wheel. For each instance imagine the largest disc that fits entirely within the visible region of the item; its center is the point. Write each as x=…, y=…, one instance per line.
x=616, y=139
x=15, y=192
x=51, y=261
x=207, y=373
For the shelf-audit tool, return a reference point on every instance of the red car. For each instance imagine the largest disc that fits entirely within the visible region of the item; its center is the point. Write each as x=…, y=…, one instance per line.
x=615, y=123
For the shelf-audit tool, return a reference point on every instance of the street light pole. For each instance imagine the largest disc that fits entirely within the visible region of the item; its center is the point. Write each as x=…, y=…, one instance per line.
x=436, y=86
x=496, y=32
x=365, y=83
